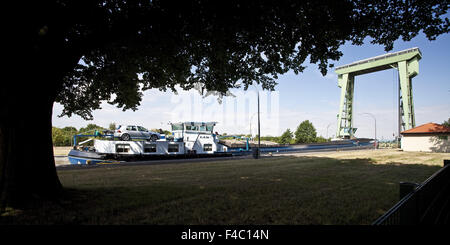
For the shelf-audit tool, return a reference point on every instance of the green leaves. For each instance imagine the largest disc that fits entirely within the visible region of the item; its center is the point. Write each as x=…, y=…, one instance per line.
x=286, y=137
x=219, y=45
x=305, y=133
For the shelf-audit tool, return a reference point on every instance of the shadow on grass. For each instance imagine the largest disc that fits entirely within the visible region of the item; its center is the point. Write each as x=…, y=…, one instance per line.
x=276, y=190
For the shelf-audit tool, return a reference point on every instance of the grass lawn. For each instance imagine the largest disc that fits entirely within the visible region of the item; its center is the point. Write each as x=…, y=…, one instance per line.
x=273, y=190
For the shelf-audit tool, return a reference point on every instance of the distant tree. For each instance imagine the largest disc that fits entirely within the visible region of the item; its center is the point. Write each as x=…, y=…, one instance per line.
x=269, y=138
x=69, y=132
x=305, y=133
x=57, y=136
x=70, y=129
x=286, y=137
x=446, y=123
x=161, y=131
x=112, y=126
x=321, y=139
x=90, y=128
x=63, y=136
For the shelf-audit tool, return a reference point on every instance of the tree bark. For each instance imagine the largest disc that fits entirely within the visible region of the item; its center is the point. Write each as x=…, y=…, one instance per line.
x=27, y=166
x=39, y=59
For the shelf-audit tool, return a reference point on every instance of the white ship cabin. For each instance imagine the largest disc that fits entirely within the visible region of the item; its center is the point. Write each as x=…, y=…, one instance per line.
x=198, y=137
x=160, y=147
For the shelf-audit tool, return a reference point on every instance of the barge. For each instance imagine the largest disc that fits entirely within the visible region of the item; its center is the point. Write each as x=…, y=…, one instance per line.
x=188, y=139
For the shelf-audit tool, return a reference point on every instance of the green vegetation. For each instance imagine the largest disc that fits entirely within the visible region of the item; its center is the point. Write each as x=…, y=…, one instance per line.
x=64, y=136
x=166, y=132
x=287, y=137
x=305, y=133
x=112, y=126
x=275, y=190
x=90, y=128
x=321, y=139
x=446, y=123
x=268, y=138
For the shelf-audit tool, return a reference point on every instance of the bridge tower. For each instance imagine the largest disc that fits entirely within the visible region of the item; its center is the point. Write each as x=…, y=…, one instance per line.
x=407, y=64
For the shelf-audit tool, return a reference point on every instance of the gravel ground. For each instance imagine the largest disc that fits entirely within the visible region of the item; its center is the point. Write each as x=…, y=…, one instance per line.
x=61, y=153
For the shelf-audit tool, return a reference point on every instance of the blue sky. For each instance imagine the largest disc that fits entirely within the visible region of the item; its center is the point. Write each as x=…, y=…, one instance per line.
x=307, y=96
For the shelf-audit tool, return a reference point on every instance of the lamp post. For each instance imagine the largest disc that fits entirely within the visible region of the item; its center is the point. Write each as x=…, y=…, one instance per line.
x=327, y=129
x=251, y=119
x=375, y=120
x=259, y=128
x=256, y=154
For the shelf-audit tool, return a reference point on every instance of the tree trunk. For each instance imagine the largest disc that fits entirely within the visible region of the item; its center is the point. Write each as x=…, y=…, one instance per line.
x=40, y=53
x=27, y=165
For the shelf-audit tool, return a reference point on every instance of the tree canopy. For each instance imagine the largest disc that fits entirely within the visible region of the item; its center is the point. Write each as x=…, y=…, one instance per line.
x=63, y=136
x=446, y=123
x=305, y=133
x=126, y=47
x=286, y=137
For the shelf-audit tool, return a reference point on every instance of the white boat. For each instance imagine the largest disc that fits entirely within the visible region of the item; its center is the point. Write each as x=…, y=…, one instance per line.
x=187, y=139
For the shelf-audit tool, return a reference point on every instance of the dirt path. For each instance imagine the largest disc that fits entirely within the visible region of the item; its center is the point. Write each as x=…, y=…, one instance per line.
x=384, y=156
x=61, y=150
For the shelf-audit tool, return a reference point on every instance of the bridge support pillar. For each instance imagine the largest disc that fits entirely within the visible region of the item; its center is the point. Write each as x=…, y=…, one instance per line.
x=406, y=71
x=345, y=117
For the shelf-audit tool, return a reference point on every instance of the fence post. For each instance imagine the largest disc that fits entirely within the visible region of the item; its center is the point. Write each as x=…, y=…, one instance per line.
x=408, y=213
x=256, y=153
x=406, y=188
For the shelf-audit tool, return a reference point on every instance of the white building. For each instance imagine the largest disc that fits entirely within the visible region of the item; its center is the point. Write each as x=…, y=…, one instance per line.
x=430, y=137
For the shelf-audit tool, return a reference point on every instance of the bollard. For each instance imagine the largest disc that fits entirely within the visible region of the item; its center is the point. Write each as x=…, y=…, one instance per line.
x=406, y=188
x=255, y=152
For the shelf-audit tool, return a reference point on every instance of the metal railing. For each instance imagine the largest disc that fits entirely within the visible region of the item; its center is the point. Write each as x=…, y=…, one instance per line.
x=427, y=203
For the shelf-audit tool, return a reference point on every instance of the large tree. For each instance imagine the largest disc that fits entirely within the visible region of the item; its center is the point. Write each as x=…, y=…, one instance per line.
x=82, y=52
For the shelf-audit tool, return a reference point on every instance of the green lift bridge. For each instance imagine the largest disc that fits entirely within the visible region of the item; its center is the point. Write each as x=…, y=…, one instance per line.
x=407, y=64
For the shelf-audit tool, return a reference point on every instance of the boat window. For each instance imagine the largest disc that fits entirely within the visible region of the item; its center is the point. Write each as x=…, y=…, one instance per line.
x=177, y=127
x=122, y=148
x=149, y=148
x=173, y=148
x=209, y=128
x=202, y=128
x=192, y=128
x=207, y=147
x=141, y=128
